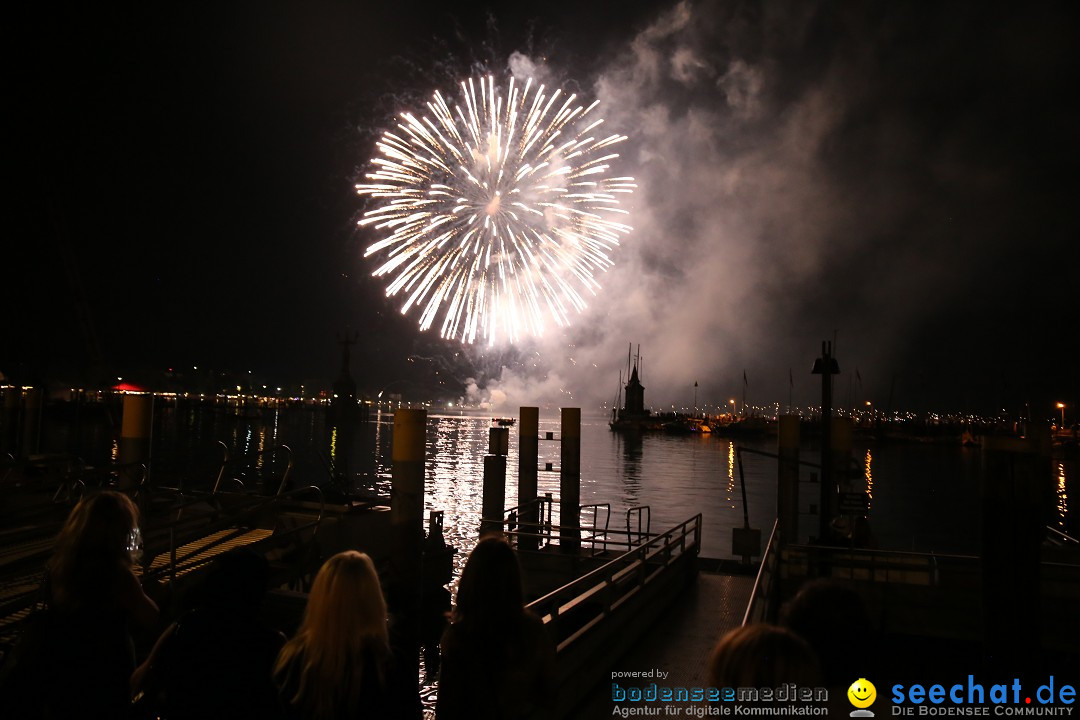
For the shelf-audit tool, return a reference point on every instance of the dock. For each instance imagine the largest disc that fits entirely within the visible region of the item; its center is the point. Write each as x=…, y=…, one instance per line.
x=680, y=642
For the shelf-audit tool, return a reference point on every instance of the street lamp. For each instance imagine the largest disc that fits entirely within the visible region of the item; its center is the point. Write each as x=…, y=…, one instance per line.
x=733, y=407
x=1061, y=407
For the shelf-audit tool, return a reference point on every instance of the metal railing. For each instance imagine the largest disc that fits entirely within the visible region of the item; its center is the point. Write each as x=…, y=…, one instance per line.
x=758, y=607
x=1057, y=537
x=531, y=520
x=518, y=525
x=573, y=609
x=887, y=566
x=229, y=461
x=124, y=476
x=233, y=525
x=596, y=533
x=637, y=512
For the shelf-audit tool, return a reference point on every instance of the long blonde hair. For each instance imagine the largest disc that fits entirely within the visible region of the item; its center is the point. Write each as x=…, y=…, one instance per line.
x=344, y=626
x=91, y=546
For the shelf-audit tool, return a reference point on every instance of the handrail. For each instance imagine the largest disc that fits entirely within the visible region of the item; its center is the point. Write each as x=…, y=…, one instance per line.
x=871, y=565
x=65, y=490
x=596, y=595
x=517, y=523
x=1060, y=538
x=596, y=532
x=887, y=553
x=228, y=459
x=288, y=468
x=252, y=510
x=639, y=509
x=546, y=500
x=221, y=469
x=761, y=591
x=614, y=539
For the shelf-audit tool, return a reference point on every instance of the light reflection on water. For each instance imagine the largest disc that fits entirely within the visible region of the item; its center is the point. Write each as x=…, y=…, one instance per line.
x=677, y=477
x=868, y=474
x=1062, y=497
x=925, y=496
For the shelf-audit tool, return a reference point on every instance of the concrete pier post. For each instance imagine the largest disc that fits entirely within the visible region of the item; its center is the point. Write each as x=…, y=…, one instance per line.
x=31, y=426
x=1017, y=474
x=491, y=517
x=407, y=528
x=528, y=464
x=570, y=482
x=135, y=429
x=787, y=492
x=499, y=441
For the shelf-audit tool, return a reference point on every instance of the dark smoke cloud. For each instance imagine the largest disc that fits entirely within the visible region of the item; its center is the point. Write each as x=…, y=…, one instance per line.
x=810, y=169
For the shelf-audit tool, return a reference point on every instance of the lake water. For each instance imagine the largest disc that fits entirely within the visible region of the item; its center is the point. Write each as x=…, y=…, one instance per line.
x=924, y=497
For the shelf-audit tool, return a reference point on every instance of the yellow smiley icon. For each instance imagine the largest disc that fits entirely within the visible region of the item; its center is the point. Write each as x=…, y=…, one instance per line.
x=862, y=693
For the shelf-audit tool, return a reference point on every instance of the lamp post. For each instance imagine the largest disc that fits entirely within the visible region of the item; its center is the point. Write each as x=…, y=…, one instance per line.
x=1061, y=407
x=733, y=408
x=826, y=366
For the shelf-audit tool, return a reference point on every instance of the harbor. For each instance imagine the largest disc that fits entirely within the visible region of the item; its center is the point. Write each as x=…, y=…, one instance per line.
x=670, y=534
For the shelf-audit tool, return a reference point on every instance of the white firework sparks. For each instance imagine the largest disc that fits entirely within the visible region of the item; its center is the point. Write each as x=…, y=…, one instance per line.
x=495, y=215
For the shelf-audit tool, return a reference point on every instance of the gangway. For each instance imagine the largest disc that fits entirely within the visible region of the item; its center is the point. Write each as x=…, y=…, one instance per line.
x=595, y=618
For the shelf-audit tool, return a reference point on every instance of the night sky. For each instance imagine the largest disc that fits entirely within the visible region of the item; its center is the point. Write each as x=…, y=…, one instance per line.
x=900, y=177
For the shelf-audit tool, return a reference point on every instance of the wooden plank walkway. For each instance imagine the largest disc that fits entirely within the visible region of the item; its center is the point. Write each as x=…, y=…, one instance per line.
x=680, y=642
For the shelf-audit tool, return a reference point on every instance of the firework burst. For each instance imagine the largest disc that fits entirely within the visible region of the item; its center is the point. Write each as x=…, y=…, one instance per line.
x=495, y=215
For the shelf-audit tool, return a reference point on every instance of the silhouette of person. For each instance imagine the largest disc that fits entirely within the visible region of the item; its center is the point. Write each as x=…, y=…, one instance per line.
x=340, y=663
x=217, y=659
x=762, y=656
x=498, y=662
x=95, y=600
x=833, y=619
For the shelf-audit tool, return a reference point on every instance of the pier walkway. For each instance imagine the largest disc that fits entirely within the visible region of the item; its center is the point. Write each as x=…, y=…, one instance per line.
x=680, y=640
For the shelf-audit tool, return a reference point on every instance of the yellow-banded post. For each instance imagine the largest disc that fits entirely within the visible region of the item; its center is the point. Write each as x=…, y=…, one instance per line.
x=136, y=426
x=407, y=527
